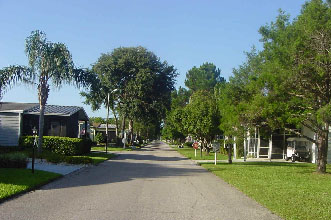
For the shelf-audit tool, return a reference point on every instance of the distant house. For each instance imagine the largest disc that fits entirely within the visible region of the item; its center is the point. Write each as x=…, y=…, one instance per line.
x=18, y=119
x=101, y=128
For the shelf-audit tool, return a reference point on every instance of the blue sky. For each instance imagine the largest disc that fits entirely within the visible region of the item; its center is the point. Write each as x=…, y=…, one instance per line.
x=185, y=33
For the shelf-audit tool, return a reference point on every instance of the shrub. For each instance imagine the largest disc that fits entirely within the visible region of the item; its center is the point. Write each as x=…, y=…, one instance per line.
x=99, y=138
x=55, y=158
x=4, y=150
x=78, y=160
x=60, y=145
x=13, y=160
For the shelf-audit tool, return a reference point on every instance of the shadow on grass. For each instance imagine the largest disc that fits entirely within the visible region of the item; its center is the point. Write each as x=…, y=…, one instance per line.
x=311, y=167
x=264, y=164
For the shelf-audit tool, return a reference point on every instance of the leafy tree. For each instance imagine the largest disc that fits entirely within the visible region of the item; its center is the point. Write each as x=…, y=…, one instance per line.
x=47, y=62
x=173, y=128
x=290, y=79
x=204, y=77
x=144, y=84
x=202, y=117
x=299, y=55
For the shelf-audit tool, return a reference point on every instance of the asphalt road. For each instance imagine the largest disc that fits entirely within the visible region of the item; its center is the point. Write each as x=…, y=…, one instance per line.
x=153, y=183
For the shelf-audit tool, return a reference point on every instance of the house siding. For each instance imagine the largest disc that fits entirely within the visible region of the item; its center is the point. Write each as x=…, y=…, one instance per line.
x=9, y=129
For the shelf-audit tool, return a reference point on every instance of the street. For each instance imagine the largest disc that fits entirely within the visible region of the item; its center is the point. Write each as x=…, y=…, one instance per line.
x=155, y=182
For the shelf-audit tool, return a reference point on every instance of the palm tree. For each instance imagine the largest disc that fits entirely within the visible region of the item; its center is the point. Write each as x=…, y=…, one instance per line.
x=48, y=62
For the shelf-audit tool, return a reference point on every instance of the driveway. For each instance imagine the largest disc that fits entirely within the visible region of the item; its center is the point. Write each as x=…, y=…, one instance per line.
x=153, y=183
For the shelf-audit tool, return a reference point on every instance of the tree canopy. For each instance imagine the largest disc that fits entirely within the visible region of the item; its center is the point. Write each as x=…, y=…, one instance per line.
x=144, y=84
x=204, y=77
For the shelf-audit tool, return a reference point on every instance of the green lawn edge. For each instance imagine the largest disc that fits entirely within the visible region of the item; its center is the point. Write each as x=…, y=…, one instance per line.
x=23, y=180
x=290, y=190
x=190, y=154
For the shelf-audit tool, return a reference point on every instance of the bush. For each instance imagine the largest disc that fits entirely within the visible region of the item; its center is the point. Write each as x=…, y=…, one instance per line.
x=55, y=158
x=78, y=160
x=60, y=145
x=99, y=138
x=4, y=150
x=13, y=160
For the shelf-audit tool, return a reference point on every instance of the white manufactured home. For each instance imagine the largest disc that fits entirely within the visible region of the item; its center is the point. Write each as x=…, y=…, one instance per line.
x=275, y=146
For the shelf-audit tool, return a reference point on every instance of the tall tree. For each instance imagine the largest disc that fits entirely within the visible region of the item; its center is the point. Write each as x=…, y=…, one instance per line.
x=144, y=83
x=202, y=117
x=47, y=62
x=204, y=77
x=173, y=128
x=293, y=84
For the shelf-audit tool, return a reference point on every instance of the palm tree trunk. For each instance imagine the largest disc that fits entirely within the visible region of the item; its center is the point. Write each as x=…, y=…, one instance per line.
x=43, y=91
x=41, y=127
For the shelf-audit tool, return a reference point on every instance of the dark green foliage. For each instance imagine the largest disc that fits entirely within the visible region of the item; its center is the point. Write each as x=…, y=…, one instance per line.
x=13, y=160
x=99, y=138
x=4, y=150
x=78, y=160
x=204, y=77
x=143, y=86
x=60, y=145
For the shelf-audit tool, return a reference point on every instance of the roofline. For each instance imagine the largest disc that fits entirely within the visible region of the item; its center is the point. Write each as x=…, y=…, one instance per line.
x=26, y=112
x=38, y=113
x=12, y=111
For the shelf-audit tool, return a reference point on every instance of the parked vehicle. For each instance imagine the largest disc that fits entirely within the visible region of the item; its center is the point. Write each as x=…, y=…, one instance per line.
x=297, y=149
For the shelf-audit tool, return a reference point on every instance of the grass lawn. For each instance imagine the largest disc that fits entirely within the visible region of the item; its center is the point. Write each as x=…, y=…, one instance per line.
x=102, y=148
x=99, y=157
x=189, y=153
x=90, y=158
x=291, y=190
x=13, y=181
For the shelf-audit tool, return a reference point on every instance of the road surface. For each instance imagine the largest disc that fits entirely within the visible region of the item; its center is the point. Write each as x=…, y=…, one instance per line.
x=153, y=183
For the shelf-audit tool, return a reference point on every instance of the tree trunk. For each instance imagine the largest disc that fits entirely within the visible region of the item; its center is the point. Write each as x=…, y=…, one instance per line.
x=107, y=118
x=230, y=153
x=43, y=91
x=116, y=120
x=41, y=128
x=123, y=126
x=322, y=149
x=131, y=131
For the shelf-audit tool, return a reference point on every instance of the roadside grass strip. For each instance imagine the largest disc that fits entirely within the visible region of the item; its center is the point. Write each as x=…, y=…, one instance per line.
x=290, y=190
x=189, y=153
x=14, y=181
x=103, y=149
x=99, y=157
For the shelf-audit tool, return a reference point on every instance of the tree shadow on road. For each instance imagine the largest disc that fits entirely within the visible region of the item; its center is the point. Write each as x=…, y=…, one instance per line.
x=126, y=168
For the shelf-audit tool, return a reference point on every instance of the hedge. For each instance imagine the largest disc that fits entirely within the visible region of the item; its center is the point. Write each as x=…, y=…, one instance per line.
x=13, y=160
x=60, y=145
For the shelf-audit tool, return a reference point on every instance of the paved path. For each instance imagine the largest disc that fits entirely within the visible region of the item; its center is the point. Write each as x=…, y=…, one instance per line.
x=60, y=168
x=153, y=183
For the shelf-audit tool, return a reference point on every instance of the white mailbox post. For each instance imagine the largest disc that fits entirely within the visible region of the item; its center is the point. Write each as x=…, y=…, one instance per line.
x=216, y=147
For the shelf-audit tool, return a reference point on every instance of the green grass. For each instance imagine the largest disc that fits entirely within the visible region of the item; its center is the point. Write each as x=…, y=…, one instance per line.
x=99, y=157
x=13, y=181
x=102, y=148
x=91, y=158
x=291, y=190
x=189, y=153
